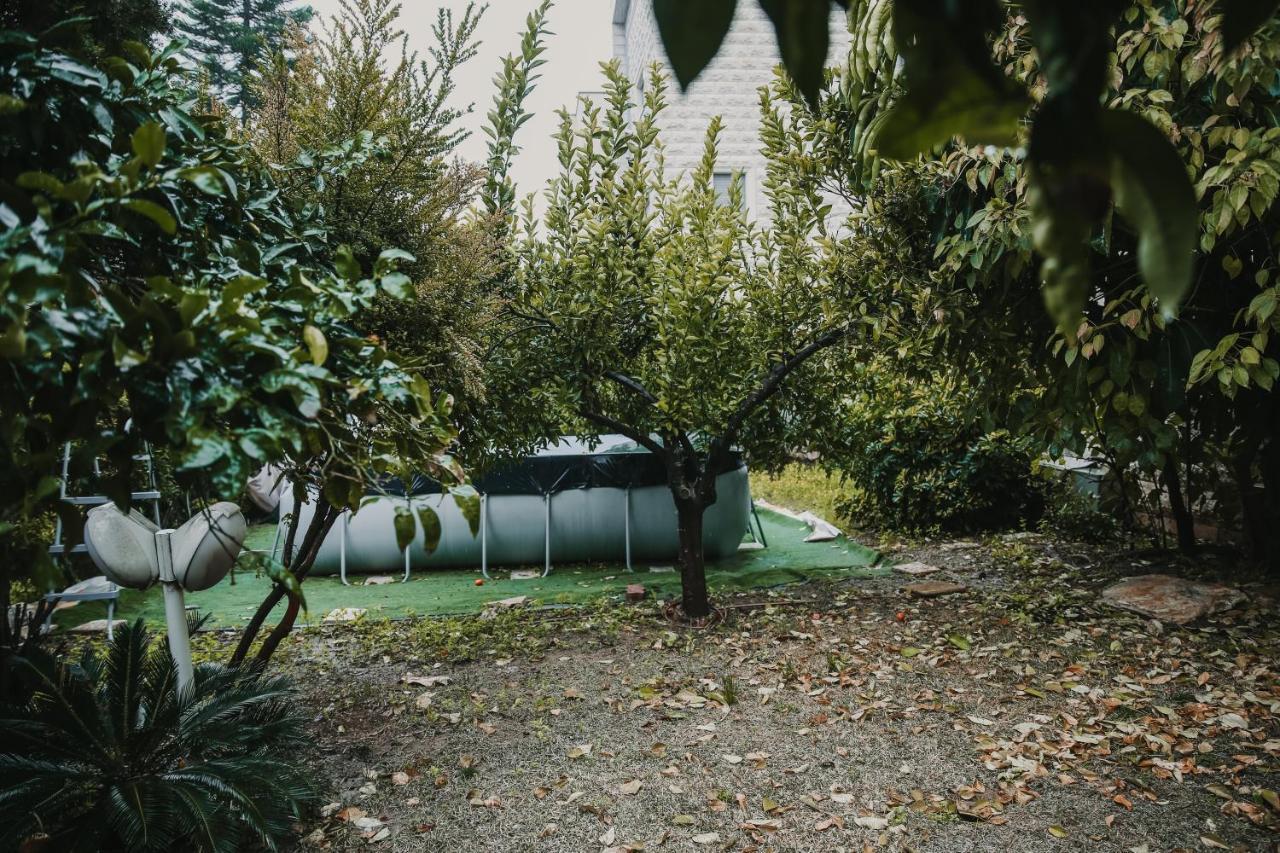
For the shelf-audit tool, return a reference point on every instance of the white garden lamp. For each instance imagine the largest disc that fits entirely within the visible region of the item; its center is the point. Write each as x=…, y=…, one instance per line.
x=134, y=553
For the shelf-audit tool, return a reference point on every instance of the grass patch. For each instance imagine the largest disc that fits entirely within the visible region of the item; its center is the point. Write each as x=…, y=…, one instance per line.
x=787, y=559
x=801, y=486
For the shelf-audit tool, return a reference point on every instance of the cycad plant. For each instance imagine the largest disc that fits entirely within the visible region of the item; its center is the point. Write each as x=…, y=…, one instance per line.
x=107, y=755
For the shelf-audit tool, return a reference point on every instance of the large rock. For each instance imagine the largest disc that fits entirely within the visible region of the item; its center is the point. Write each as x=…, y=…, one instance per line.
x=97, y=626
x=933, y=589
x=1169, y=599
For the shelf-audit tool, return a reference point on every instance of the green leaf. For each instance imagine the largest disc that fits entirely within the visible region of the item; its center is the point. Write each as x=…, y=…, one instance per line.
x=204, y=451
x=933, y=112
x=431, y=529
x=468, y=500
x=1242, y=18
x=960, y=642
x=909, y=651
x=205, y=178
x=1152, y=191
x=692, y=33
x=13, y=343
x=9, y=105
x=241, y=286
x=405, y=528
x=316, y=344
x=803, y=28
x=346, y=264
x=157, y=214
x=387, y=259
x=287, y=579
x=148, y=142
x=397, y=285
x=42, y=182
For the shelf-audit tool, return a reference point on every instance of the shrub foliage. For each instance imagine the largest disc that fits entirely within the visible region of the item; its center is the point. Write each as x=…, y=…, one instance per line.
x=106, y=754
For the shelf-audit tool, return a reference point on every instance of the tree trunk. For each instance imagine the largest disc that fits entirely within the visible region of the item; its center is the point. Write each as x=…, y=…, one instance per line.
x=1270, y=464
x=1253, y=509
x=300, y=565
x=1181, y=514
x=245, y=65
x=693, y=567
x=6, y=644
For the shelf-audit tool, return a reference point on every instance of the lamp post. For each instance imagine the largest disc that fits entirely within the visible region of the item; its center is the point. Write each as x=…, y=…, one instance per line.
x=175, y=612
x=134, y=553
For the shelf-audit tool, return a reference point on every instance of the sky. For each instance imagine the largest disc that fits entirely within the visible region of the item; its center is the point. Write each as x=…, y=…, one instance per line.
x=582, y=37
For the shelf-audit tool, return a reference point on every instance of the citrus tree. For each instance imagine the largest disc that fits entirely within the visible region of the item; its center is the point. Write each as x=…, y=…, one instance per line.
x=651, y=308
x=155, y=287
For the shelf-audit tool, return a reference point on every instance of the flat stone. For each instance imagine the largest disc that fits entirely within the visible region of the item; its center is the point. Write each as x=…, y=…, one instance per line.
x=508, y=603
x=344, y=614
x=377, y=580
x=959, y=546
x=917, y=568
x=635, y=592
x=525, y=574
x=1175, y=600
x=933, y=589
x=97, y=626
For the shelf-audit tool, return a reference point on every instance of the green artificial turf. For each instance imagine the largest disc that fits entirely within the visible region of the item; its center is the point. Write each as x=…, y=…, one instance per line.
x=787, y=559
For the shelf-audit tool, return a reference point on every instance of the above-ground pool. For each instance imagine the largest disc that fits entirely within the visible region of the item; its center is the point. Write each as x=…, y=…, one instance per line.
x=569, y=503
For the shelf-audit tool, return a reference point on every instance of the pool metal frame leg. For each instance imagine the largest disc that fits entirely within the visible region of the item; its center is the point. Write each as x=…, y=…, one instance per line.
x=342, y=550
x=275, y=545
x=626, y=525
x=756, y=516
x=546, y=536
x=484, y=535
x=405, y=579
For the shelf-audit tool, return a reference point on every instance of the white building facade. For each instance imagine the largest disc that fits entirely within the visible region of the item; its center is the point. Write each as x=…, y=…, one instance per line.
x=728, y=87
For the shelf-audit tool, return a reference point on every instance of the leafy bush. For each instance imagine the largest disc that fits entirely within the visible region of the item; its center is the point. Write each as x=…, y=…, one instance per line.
x=801, y=486
x=1073, y=514
x=106, y=755
x=919, y=456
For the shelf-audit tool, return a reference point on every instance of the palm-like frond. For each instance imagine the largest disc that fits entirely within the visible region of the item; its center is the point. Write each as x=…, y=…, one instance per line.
x=107, y=755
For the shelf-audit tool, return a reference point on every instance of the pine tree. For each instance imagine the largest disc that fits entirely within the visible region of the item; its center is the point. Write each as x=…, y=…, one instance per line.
x=232, y=39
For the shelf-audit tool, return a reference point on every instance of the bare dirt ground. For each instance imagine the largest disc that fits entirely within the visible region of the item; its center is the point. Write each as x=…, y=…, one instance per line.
x=1019, y=715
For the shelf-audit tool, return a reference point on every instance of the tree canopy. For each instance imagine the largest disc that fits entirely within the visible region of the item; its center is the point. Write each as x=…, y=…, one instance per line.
x=155, y=286
x=652, y=309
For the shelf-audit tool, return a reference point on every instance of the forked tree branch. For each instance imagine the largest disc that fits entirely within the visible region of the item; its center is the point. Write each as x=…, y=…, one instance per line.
x=631, y=384
x=615, y=425
x=767, y=388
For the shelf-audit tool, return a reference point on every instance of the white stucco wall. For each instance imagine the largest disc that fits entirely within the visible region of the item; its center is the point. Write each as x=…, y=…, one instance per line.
x=728, y=87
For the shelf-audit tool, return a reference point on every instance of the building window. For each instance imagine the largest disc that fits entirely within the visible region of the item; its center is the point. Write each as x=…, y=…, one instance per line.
x=721, y=182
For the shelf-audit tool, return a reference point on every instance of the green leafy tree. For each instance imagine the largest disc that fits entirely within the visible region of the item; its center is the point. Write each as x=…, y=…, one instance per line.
x=650, y=309
x=232, y=40
x=358, y=86
x=1187, y=401
x=156, y=287
x=105, y=26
